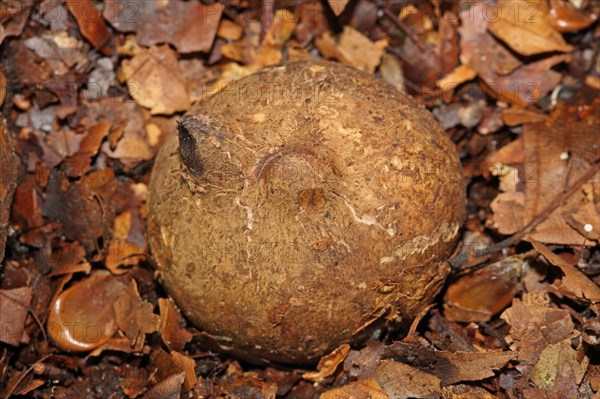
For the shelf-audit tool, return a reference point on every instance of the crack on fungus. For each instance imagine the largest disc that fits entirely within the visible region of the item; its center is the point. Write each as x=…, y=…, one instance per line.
x=365, y=219
x=420, y=244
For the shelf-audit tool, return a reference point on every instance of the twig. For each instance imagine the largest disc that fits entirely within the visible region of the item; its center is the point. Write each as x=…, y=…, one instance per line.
x=22, y=377
x=463, y=261
x=400, y=25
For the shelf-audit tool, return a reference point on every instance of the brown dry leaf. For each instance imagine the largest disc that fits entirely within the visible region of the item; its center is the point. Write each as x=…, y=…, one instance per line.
x=281, y=29
x=9, y=173
x=556, y=152
x=79, y=163
x=122, y=254
x=81, y=211
x=246, y=385
x=68, y=259
x=401, y=381
x=450, y=367
x=460, y=74
x=14, y=308
x=14, y=18
x=169, y=326
x=574, y=283
x=462, y=391
x=515, y=116
x=229, y=30
x=362, y=364
x=338, y=6
x=169, y=388
x=565, y=17
x=524, y=26
x=91, y=24
x=363, y=389
x=154, y=79
x=134, y=315
x=121, y=344
x=188, y=25
x=481, y=51
x=484, y=293
x=391, y=71
x=533, y=326
x=560, y=369
x=351, y=48
x=328, y=364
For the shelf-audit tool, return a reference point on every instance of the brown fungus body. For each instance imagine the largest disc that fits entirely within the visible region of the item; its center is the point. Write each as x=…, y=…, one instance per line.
x=299, y=205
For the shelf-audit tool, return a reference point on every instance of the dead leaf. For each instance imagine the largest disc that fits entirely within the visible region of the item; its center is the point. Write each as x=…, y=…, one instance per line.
x=154, y=79
x=188, y=25
x=533, y=326
x=460, y=74
x=14, y=308
x=79, y=164
x=560, y=369
x=9, y=172
x=515, y=116
x=91, y=24
x=401, y=381
x=524, y=26
x=391, y=71
x=449, y=367
x=362, y=389
x=169, y=326
x=574, y=283
x=135, y=316
x=229, y=30
x=328, y=364
x=68, y=259
x=351, y=48
x=169, y=388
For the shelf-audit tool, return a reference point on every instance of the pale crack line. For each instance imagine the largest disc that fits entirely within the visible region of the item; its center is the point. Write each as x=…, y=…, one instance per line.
x=365, y=219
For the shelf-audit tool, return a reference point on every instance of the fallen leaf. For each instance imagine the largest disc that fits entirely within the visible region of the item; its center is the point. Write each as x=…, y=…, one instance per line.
x=533, y=326
x=169, y=326
x=188, y=25
x=401, y=381
x=449, y=367
x=169, y=388
x=560, y=369
x=9, y=172
x=515, y=116
x=14, y=308
x=134, y=315
x=328, y=364
x=229, y=30
x=79, y=163
x=154, y=80
x=460, y=74
x=68, y=259
x=391, y=71
x=351, y=48
x=574, y=283
x=524, y=26
x=91, y=24
x=121, y=254
x=362, y=389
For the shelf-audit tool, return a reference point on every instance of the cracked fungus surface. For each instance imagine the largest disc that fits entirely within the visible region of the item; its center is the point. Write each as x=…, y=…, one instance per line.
x=304, y=203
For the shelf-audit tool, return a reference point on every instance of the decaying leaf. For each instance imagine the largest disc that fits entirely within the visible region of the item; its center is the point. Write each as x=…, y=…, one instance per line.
x=188, y=25
x=154, y=79
x=134, y=315
x=401, y=381
x=362, y=389
x=9, y=172
x=328, y=364
x=91, y=24
x=524, y=26
x=14, y=307
x=574, y=283
x=449, y=367
x=169, y=326
x=351, y=48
